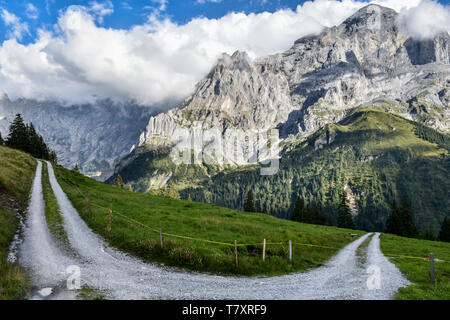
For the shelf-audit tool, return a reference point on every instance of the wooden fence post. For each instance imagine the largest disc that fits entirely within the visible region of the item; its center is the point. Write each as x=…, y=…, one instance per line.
x=236, y=253
x=290, y=250
x=264, y=250
x=110, y=219
x=160, y=237
x=432, y=267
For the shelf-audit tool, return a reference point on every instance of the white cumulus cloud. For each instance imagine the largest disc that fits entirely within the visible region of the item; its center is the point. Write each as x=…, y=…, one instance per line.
x=205, y=1
x=160, y=61
x=101, y=9
x=426, y=19
x=17, y=28
x=31, y=11
x=162, y=4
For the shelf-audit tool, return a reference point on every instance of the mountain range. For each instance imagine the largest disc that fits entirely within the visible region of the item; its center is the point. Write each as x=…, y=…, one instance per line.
x=361, y=107
x=94, y=136
x=324, y=80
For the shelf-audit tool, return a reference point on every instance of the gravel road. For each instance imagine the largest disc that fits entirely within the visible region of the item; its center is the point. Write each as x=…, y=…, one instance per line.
x=39, y=252
x=125, y=277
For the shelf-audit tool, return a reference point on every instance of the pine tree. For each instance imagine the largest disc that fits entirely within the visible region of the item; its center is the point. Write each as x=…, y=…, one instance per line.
x=429, y=234
x=408, y=227
x=308, y=215
x=257, y=206
x=189, y=198
x=162, y=192
x=36, y=145
x=18, y=134
x=173, y=192
x=2, y=142
x=119, y=181
x=76, y=168
x=345, y=219
x=318, y=215
x=25, y=138
x=249, y=205
x=299, y=210
x=393, y=224
x=444, y=234
x=53, y=157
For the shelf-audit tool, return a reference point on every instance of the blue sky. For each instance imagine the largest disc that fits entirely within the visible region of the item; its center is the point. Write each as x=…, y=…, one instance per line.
x=86, y=55
x=126, y=13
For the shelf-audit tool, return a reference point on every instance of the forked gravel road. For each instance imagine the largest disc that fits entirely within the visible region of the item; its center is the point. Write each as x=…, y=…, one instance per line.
x=124, y=277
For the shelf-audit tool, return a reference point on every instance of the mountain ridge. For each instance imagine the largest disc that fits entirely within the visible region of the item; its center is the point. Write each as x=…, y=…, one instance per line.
x=366, y=60
x=317, y=80
x=94, y=136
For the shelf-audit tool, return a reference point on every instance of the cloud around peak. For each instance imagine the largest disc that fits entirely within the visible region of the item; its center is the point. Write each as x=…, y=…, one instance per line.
x=160, y=61
x=426, y=19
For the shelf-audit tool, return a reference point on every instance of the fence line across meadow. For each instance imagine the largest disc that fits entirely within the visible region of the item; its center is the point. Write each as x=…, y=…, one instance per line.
x=235, y=244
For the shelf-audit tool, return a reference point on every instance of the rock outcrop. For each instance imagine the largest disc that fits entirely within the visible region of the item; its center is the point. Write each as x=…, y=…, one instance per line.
x=367, y=60
x=94, y=136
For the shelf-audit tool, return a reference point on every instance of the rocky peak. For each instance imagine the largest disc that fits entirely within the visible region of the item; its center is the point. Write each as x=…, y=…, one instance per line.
x=239, y=60
x=365, y=59
x=371, y=18
x=3, y=96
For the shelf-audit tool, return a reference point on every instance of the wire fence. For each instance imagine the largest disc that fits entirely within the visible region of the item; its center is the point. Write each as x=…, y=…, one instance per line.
x=236, y=244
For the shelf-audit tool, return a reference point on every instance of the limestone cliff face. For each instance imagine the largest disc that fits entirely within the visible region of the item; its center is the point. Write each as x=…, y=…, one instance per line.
x=93, y=136
x=365, y=60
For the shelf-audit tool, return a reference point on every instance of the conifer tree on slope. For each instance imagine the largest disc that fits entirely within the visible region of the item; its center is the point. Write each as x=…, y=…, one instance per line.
x=35, y=145
x=345, y=219
x=18, y=135
x=299, y=210
x=257, y=206
x=444, y=234
x=408, y=226
x=429, y=234
x=393, y=224
x=173, y=192
x=318, y=215
x=310, y=213
x=119, y=182
x=249, y=204
x=53, y=157
x=25, y=138
x=2, y=142
x=162, y=192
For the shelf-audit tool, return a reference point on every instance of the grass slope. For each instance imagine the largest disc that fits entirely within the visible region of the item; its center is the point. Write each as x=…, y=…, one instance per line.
x=16, y=176
x=380, y=156
x=200, y=221
x=53, y=215
x=417, y=270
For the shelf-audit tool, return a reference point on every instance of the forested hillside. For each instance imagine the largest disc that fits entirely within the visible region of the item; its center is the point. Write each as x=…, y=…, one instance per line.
x=375, y=156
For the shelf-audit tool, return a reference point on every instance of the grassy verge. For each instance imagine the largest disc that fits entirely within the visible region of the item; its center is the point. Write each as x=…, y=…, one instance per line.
x=53, y=216
x=201, y=221
x=13, y=282
x=87, y=293
x=16, y=177
x=417, y=270
x=361, y=252
x=55, y=224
